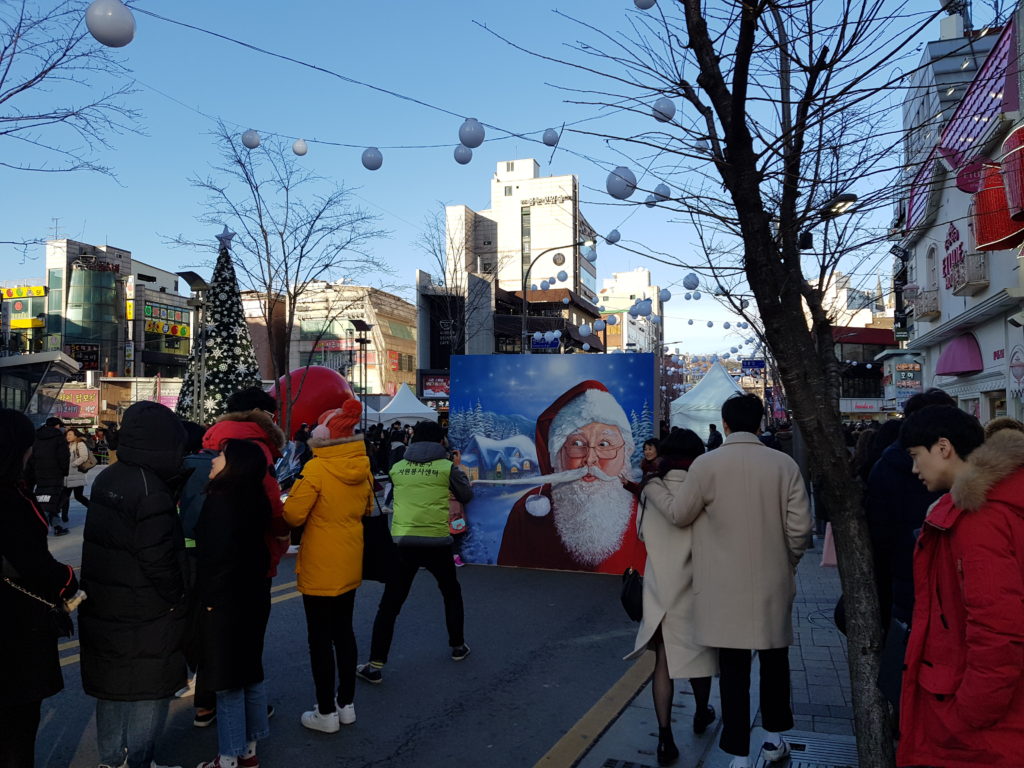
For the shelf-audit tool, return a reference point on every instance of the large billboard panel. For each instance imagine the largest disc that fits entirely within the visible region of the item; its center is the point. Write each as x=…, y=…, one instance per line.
x=553, y=445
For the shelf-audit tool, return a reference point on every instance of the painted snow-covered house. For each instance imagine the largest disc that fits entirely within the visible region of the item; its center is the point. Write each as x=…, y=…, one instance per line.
x=487, y=459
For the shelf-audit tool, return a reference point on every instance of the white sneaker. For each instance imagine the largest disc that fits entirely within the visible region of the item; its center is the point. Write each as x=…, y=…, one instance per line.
x=775, y=752
x=347, y=714
x=187, y=691
x=323, y=723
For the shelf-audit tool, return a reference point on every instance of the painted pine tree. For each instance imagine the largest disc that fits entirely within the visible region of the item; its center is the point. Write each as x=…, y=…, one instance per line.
x=222, y=348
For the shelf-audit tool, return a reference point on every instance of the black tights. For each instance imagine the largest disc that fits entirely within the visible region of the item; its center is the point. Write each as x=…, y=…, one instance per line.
x=662, y=687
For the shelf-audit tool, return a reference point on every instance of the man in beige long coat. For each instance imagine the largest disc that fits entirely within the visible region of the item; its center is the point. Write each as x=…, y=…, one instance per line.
x=750, y=518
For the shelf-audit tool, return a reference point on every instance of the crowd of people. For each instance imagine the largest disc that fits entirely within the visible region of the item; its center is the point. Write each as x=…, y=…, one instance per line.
x=182, y=538
x=184, y=534
x=944, y=502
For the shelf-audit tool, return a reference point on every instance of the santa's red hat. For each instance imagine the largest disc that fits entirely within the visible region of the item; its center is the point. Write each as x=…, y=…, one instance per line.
x=586, y=403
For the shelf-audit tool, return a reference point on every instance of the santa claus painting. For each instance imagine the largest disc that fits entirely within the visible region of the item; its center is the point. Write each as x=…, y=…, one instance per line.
x=583, y=518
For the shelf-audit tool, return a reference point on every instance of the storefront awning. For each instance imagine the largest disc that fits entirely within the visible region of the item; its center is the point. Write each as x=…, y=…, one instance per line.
x=961, y=356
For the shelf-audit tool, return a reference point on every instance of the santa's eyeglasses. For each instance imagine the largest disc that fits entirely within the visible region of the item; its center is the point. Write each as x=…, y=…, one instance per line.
x=580, y=449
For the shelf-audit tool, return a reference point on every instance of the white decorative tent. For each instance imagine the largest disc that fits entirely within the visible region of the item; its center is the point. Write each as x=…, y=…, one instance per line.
x=405, y=407
x=702, y=405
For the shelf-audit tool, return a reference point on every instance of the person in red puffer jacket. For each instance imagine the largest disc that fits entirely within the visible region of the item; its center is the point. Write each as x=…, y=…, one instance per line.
x=962, y=700
x=250, y=416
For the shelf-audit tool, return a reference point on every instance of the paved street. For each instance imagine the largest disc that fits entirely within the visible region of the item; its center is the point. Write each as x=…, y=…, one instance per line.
x=546, y=646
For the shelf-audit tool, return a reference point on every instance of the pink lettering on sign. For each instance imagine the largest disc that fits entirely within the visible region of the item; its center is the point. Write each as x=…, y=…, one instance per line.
x=954, y=256
x=999, y=354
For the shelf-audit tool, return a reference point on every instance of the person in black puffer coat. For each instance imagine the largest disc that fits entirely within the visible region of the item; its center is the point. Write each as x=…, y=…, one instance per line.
x=133, y=569
x=29, y=664
x=49, y=466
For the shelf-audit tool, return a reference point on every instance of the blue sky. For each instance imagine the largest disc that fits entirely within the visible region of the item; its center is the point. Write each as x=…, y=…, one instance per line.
x=431, y=51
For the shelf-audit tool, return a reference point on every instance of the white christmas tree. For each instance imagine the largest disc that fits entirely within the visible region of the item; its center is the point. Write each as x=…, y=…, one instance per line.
x=222, y=348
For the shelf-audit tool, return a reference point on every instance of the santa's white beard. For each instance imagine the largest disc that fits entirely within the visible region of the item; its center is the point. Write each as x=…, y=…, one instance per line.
x=591, y=517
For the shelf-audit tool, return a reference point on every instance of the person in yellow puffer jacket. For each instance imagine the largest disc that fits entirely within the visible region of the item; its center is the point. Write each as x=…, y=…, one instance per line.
x=330, y=497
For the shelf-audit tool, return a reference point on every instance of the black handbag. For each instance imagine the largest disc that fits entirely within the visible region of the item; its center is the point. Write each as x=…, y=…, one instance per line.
x=632, y=593
x=379, y=551
x=58, y=619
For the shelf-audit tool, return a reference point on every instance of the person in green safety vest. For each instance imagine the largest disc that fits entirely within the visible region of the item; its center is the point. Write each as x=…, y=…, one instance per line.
x=422, y=480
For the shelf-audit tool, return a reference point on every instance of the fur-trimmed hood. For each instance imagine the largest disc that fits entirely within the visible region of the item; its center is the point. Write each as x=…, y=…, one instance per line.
x=247, y=425
x=316, y=442
x=987, y=466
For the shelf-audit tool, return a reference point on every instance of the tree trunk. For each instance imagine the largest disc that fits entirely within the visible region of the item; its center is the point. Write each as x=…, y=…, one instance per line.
x=805, y=379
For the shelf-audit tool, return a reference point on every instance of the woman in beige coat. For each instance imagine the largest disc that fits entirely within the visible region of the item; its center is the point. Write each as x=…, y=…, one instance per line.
x=667, y=626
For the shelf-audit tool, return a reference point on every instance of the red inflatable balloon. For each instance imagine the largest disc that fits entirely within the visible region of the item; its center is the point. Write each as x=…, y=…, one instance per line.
x=312, y=391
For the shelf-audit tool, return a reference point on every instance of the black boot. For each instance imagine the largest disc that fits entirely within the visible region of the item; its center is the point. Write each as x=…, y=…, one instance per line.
x=668, y=752
x=701, y=720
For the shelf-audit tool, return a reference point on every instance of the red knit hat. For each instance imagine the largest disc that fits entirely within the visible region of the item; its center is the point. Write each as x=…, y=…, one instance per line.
x=338, y=422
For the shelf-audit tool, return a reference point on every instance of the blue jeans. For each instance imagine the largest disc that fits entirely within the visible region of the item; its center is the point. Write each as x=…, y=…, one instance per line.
x=129, y=728
x=241, y=718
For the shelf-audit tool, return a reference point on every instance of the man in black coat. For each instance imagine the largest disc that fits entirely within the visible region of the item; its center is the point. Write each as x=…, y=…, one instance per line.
x=50, y=463
x=133, y=569
x=895, y=503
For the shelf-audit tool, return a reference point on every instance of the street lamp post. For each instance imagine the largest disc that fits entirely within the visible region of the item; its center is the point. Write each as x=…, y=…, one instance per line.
x=559, y=260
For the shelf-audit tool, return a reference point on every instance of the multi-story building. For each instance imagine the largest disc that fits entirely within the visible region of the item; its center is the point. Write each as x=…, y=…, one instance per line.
x=114, y=314
x=365, y=333
x=630, y=332
x=533, y=219
x=858, y=306
x=959, y=283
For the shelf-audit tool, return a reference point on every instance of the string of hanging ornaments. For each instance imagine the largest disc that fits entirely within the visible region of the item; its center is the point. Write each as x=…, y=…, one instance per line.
x=112, y=24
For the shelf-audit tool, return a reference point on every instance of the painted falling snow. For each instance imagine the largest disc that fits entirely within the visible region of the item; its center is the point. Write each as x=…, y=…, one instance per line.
x=507, y=413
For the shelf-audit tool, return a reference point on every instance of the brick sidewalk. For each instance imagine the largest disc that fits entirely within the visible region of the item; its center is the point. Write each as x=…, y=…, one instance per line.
x=822, y=705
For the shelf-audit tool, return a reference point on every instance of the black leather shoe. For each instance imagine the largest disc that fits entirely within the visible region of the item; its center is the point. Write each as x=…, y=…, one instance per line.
x=702, y=720
x=667, y=754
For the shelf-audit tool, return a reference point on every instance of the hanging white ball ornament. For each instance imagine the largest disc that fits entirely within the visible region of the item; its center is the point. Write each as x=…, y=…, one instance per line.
x=613, y=320
x=565, y=300
x=299, y=147
x=645, y=308
x=644, y=5
x=471, y=133
x=585, y=329
x=557, y=334
x=550, y=137
x=463, y=154
x=111, y=22
x=250, y=139
x=612, y=237
x=599, y=325
x=549, y=336
x=727, y=325
x=537, y=335
x=696, y=295
x=744, y=304
x=621, y=183
x=687, y=296
x=562, y=276
x=689, y=322
x=586, y=347
x=664, y=110
x=734, y=350
x=665, y=294
x=868, y=366
x=691, y=281
x=662, y=192
x=710, y=324
x=544, y=285
x=589, y=253
x=655, y=320
x=651, y=201
x=372, y=159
